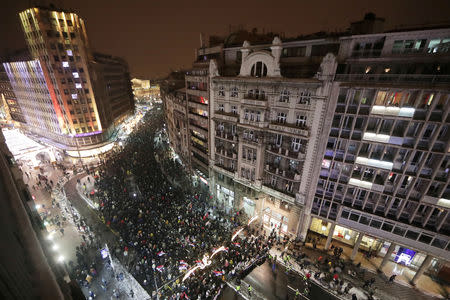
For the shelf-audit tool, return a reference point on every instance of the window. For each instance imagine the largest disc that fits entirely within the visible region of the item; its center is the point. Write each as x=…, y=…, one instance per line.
x=301, y=121
x=284, y=96
x=281, y=117
x=234, y=110
x=278, y=140
x=221, y=91
x=74, y=96
x=305, y=97
x=221, y=107
x=75, y=75
x=69, y=23
x=294, y=52
x=63, y=81
x=259, y=69
x=234, y=92
x=296, y=144
x=64, y=34
x=65, y=64
x=56, y=57
x=439, y=46
x=80, y=69
x=66, y=92
x=86, y=91
x=256, y=94
x=78, y=85
x=72, y=35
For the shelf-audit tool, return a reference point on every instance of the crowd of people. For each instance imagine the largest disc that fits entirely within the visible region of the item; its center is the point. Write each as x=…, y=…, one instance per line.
x=166, y=227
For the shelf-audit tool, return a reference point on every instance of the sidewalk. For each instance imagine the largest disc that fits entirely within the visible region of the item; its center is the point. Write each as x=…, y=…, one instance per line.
x=384, y=289
x=424, y=285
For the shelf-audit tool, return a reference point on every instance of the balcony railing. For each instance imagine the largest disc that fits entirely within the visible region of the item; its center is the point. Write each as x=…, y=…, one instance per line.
x=226, y=135
x=289, y=128
x=288, y=153
x=286, y=174
x=394, y=78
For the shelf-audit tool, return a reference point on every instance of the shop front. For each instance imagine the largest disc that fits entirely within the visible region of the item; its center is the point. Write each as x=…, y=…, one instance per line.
x=249, y=207
x=280, y=216
x=345, y=235
x=225, y=197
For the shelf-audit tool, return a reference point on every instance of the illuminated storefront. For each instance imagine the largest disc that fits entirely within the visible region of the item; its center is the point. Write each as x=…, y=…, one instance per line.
x=345, y=235
x=225, y=196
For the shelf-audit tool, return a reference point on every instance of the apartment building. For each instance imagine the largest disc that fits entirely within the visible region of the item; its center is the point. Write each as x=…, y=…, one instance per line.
x=383, y=185
x=265, y=131
x=88, y=93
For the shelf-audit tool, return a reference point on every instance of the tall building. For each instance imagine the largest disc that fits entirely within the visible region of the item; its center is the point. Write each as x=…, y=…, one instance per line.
x=344, y=135
x=86, y=93
x=383, y=185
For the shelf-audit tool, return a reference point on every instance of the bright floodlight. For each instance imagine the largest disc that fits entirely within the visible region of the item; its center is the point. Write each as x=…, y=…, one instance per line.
x=37, y=206
x=60, y=258
x=50, y=237
x=134, y=194
x=55, y=247
x=120, y=144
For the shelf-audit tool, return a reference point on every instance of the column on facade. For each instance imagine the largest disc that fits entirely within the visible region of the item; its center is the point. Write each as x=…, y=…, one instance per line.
x=387, y=256
x=423, y=267
x=303, y=224
x=330, y=236
x=356, y=246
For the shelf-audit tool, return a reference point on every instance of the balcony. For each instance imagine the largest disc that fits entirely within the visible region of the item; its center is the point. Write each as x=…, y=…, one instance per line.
x=290, y=154
x=226, y=136
x=253, y=100
x=285, y=174
x=226, y=116
x=395, y=78
x=198, y=117
x=260, y=124
x=255, y=141
x=226, y=153
x=198, y=127
x=289, y=128
x=278, y=192
x=198, y=93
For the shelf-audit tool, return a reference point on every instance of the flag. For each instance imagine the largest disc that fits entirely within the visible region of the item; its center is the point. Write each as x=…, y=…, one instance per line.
x=160, y=268
x=182, y=262
x=218, y=273
x=237, y=245
x=161, y=253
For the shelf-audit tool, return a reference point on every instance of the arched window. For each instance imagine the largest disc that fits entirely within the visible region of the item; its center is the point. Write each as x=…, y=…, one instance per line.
x=221, y=91
x=234, y=92
x=257, y=94
x=259, y=70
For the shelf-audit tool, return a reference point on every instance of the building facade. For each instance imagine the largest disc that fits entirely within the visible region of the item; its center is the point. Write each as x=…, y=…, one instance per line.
x=12, y=109
x=383, y=185
x=351, y=145
x=88, y=93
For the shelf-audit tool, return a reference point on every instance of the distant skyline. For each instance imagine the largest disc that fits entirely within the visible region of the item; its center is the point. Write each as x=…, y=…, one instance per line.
x=158, y=36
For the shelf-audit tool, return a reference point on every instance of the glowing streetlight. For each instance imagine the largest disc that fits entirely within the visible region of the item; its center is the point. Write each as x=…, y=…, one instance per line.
x=55, y=247
x=60, y=258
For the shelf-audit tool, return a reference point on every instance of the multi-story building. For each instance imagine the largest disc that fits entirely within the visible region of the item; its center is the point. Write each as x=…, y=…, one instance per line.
x=265, y=131
x=12, y=108
x=144, y=90
x=384, y=183
x=86, y=93
x=352, y=146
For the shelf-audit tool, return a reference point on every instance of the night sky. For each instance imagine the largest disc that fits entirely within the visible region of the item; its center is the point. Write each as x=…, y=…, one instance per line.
x=156, y=36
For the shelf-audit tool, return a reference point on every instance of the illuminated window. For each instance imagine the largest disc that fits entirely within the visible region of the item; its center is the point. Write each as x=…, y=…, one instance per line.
x=65, y=64
x=69, y=52
x=74, y=96
x=75, y=75
x=78, y=85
